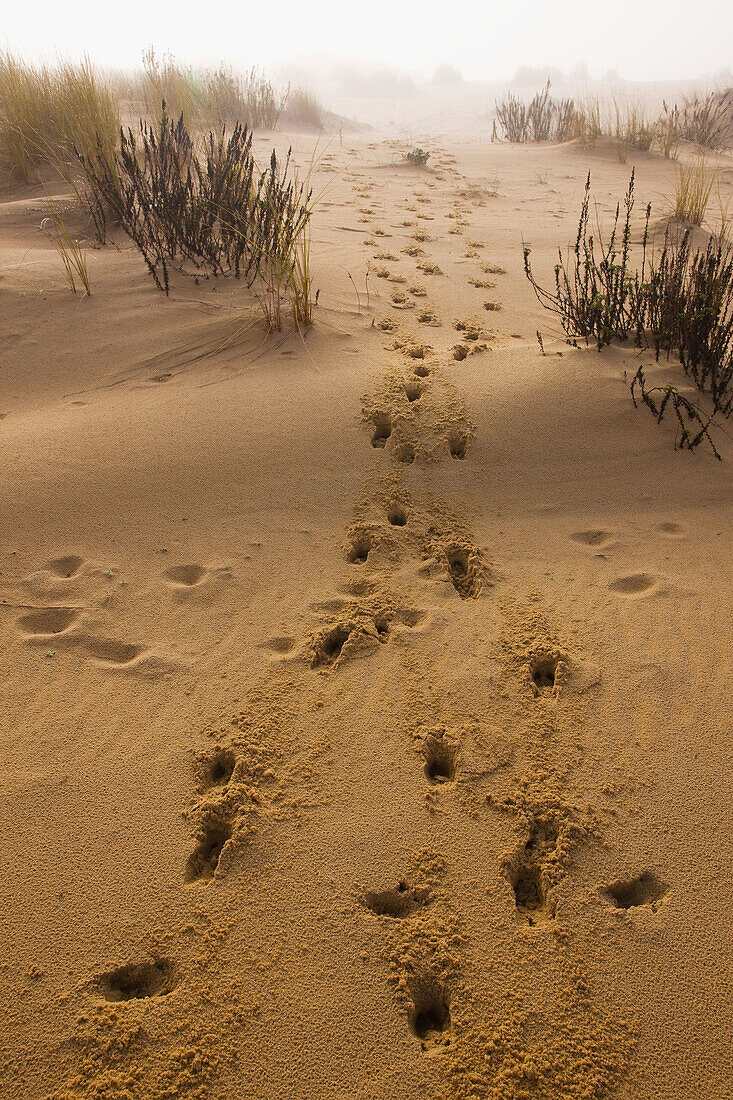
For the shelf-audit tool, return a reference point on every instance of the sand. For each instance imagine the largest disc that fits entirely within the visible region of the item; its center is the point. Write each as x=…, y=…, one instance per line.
x=366, y=724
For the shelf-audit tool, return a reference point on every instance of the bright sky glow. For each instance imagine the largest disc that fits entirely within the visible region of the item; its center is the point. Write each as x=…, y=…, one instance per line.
x=642, y=39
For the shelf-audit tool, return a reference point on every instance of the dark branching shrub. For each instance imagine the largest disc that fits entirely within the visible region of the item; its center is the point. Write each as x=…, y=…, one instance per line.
x=594, y=297
x=689, y=310
x=206, y=206
x=542, y=119
x=680, y=302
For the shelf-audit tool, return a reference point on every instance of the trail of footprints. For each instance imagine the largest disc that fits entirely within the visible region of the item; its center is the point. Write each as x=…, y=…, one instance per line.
x=413, y=415
x=407, y=426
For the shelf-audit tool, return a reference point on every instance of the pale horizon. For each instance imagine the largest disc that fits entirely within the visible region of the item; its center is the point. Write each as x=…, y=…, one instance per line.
x=648, y=41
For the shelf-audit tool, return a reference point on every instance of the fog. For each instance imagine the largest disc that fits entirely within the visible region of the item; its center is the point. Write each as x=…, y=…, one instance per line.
x=635, y=39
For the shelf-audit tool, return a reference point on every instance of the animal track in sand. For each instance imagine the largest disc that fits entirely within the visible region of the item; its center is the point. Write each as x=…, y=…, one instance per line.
x=441, y=757
x=636, y=584
x=185, y=576
x=464, y=567
x=413, y=390
x=544, y=671
x=429, y=1014
x=358, y=633
x=527, y=874
x=48, y=621
x=154, y=977
x=398, y=902
x=328, y=647
x=645, y=889
x=216, y=771
x=458, y=443
x=66, y=566
x=596, y=538
x=382, y=429
x=111, y=652
x=674, y=530
x=361, y=544
x=214, y=833
x=397, y=515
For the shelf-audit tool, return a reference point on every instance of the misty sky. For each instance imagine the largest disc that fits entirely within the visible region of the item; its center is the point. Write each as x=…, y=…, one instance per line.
x=642, y=39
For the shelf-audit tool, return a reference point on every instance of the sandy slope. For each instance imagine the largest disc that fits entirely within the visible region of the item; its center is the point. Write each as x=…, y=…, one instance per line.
x=274, y=763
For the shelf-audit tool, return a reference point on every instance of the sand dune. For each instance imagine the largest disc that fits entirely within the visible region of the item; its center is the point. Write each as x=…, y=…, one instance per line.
x=366, y=721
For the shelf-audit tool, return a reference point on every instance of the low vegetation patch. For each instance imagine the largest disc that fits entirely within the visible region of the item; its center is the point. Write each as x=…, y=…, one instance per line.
x=678, y=302
x=542, y=119
x=205, y=208
x=418, y=157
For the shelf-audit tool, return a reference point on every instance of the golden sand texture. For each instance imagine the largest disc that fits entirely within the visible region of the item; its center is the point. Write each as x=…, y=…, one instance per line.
x=366, y=719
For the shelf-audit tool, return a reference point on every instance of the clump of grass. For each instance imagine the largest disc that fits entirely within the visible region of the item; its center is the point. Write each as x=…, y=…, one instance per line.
x=588, y=122
x=669, y=131
x=679, y=302
x=48, y=113
x=542, y=119
x=632, y=129
x=205, y=98
x=70, y=250
x=693, y=187
x=708, y=120
x=417, y=157
x=302, y=109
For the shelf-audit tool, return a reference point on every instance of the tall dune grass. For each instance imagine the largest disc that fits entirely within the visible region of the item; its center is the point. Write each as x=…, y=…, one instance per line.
x=51, y=112
x=47, y=114
x=205, y=98
x=693, y=188
x=70, y=249
x=302, y=109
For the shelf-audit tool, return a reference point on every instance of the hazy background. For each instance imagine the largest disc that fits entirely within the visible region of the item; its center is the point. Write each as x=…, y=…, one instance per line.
x=635, y=39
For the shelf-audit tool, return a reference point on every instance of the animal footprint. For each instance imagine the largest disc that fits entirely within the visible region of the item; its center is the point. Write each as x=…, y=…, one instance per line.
x=545, y=668
x=527, y=871
x=48, y=621
x=673, y=530
x=67, y=566
x=216, y=770
x=154, y=977
x=636, y=584
x=465, y=568
x=185, y=576
x=362, y=542
x=441, y=757
x=458, y=443
x=645, y=889
x=357, y=634
x=429, y=1013
x=382, y=429
x=596, y=539
x=110, y=652
x=398, y=902
x=214, y=833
